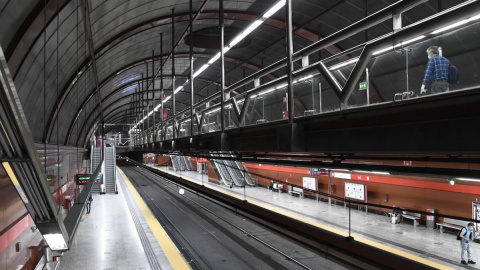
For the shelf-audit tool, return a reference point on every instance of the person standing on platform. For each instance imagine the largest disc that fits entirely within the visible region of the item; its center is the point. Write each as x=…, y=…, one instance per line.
x=89, y=203
x=465, y=243
x=270, y=187
x=436, y=74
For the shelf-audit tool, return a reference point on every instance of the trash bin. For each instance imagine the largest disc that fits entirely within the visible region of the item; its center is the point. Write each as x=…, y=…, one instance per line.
x=67, y=203
x=431, y=219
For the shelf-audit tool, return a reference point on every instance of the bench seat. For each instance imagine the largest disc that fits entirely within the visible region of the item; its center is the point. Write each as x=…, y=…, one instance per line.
x=413, y=217
x=299, y=193
x=444, y=225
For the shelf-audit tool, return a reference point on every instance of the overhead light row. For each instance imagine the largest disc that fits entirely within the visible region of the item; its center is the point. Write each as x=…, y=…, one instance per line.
x=234, y=42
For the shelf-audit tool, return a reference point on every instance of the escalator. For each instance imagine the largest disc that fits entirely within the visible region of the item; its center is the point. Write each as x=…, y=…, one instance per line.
x=110, y=172
x=183, y=163
x=188, y=165
x=176, y=163
x=240, y=169
x=224, y=172
x=96, y=158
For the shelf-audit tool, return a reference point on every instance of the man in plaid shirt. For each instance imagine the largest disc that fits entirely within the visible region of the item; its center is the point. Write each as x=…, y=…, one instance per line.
x=436, y=75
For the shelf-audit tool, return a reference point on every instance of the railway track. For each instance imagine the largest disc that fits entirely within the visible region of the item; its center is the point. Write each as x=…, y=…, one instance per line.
x=212, y=236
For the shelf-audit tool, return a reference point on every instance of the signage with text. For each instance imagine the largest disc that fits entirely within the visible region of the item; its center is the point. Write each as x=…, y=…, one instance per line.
x=82, y=179
x=319, y=172
x=355, y=191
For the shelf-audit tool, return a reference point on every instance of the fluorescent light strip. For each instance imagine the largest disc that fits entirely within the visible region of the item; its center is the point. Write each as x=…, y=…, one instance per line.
x=200, y=70
x=346, y=63
x=474, y=18
x=354, y=60
x=468, y=179
x=215, y=58
x=375, y=172
x=399, y=45
x=450, y=26
x=274, y=9
x=235, y=41
x=178, y=89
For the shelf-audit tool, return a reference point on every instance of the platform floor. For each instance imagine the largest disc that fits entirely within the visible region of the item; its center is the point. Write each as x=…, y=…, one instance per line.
x=115, y=235
x=402, y=238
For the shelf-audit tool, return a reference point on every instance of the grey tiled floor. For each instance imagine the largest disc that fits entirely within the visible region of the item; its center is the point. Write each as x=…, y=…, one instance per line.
x=442, y=248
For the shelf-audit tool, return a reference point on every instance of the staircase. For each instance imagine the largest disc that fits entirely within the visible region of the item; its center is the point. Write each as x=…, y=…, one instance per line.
x=110, y=179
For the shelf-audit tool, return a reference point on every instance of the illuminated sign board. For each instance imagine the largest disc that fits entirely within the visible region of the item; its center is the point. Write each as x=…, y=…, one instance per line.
x=99, y=179
x=319, y=172
x=82, y=179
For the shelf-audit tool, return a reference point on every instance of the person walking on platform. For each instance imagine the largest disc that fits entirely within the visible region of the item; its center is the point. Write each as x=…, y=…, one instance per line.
x=436, y=74
x=465, y=243
x=89, y=203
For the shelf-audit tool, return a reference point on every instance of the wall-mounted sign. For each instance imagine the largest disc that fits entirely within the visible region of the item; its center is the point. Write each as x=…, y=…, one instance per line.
x=362, y=86
x=309, y=183
x=355, y=191
x=82, y=179
x=319, y=172
x=99, y=179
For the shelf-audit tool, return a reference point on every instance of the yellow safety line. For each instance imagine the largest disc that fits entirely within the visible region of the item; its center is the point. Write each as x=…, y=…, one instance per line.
x=327, y=228
x=173, y=255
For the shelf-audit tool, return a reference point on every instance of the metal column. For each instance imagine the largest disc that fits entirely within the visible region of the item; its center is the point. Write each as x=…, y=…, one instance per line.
x=173, y=74
x=222, y=63
x=289, y=43
x=191, y=71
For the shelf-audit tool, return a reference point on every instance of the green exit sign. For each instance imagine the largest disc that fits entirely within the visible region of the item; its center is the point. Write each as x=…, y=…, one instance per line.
x=362, y=86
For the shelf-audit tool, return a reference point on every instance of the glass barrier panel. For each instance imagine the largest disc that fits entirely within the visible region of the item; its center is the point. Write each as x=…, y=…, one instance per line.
x=329, y=101
x=266, y=106
x=211, y=121
x=231, y=120
x=195, y=128
x=184, y=129
x=169, y=133
x=308, y=95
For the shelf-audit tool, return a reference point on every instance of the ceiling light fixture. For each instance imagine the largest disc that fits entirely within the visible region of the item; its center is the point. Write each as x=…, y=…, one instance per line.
x=469, y=179
x=399, y=45
x=451, y=26
x=346, y=63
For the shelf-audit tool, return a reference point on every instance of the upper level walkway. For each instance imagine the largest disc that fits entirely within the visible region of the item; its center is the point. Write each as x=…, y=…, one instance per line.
x=343, y=102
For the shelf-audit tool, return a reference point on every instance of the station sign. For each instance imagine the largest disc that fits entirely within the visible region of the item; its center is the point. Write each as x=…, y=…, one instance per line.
x=82, y=179
x=320, y=172
x=99, y=179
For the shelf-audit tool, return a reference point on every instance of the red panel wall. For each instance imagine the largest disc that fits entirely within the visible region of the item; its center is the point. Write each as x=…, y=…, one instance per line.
x=415, y=193
x=15, y=227
x=163, y=161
